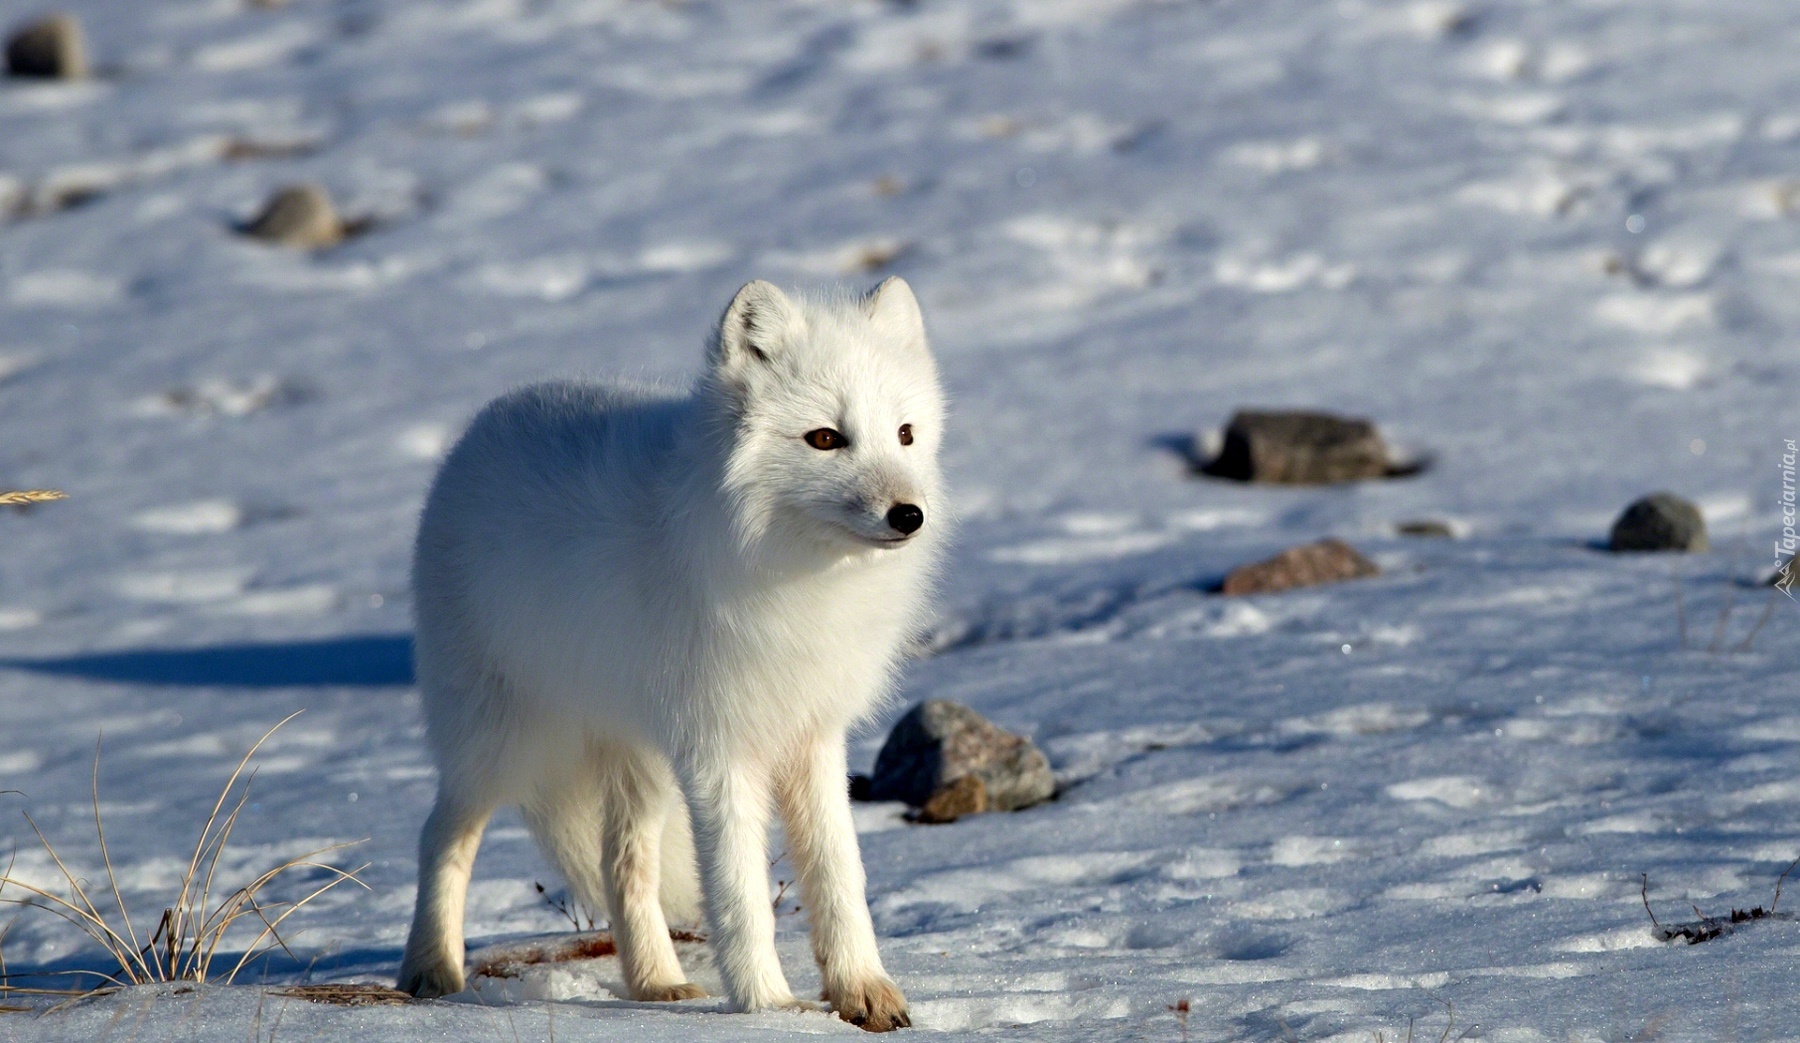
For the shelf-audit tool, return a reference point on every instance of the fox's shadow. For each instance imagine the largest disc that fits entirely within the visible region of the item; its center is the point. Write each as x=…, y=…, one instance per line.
x=370, y=660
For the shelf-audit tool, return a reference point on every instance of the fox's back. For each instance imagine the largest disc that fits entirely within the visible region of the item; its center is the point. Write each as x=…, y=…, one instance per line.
x=547, y=510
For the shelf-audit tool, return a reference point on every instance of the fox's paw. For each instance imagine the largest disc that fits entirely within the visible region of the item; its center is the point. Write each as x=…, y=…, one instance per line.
x=872, y=1004
x=683, y=990
x=430, y=978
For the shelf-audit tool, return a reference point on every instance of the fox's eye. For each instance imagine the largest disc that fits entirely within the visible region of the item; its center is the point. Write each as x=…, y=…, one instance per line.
x=906, y=434
x=825, y=438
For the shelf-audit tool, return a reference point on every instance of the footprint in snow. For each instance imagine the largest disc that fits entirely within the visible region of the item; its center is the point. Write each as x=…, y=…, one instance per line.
x=1457, y=791
x=221, y=397
x=201, y=517
x=228, y=592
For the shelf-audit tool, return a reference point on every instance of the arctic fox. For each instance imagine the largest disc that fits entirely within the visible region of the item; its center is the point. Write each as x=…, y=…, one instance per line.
x=639, y=610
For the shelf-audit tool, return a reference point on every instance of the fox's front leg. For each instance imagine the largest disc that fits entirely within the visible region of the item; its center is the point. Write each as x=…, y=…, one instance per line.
x=728, y=802
x=821, y=835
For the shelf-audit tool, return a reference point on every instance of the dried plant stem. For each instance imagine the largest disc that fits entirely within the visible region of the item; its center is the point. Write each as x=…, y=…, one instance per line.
x=22, y=497
x=1681, y=624
x=1761, y=621
x=191, y=929
x=1717, y=643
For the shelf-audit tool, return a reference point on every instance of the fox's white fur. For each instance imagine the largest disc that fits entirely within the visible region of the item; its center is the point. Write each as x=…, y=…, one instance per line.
x=638, y=610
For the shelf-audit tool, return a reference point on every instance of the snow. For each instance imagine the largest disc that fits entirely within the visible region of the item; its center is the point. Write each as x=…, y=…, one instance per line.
x=1549, y=247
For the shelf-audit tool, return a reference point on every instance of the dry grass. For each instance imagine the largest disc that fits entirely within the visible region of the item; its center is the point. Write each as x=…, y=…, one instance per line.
x=348, y=994
x=27, y=497
x=191, y=931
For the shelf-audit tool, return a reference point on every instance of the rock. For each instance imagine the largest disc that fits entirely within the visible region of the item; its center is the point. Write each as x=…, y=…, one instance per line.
x=1428, y=528
x=966, y=796
x=51, y=48
x=1296, y=447
x=939, y=742
x=1327, y=561
x=1660, y=521
x=299, y=216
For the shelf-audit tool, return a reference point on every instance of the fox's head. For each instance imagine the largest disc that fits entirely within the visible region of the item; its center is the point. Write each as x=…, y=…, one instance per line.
x=837, y=417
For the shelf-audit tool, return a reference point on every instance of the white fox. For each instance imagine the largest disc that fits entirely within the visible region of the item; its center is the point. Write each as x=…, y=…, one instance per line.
x=639, y=609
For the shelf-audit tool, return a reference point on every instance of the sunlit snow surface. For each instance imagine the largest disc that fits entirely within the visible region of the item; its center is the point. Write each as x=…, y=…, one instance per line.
x=1552, y=247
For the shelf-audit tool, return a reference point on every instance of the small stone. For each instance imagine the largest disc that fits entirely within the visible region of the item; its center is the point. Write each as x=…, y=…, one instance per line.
x=1297, y=447
x=300, y=216
x=939, y=742
x=1426, y=528
x=1327, y=561
x=1660, y=521
x=51, y=48
x=966, y=796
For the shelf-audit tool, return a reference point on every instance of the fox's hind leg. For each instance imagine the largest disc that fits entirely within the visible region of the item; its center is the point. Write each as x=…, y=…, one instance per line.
x=564, y=815
x=639, y=794
x=601, y=825
x=433, y=965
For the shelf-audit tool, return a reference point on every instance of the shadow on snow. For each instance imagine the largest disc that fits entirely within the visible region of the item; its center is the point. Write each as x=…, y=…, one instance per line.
x=370, y=660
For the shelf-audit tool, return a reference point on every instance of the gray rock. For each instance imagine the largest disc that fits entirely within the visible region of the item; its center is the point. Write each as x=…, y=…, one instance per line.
x=299, y=216
x=1427, y=528
x=1660, y=521
x=51, y=48
x=939, y=742
x=1297, y=447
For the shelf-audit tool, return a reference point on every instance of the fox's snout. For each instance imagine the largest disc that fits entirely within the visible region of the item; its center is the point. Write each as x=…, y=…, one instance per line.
x=905, y=518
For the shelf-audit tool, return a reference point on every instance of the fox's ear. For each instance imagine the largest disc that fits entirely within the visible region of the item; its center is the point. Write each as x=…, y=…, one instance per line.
x=757, y=323
x=895, y=311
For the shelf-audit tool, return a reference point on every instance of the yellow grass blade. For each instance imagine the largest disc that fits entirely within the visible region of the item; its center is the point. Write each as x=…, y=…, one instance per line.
x=183, y=900
x=218, y=850
x=116, y=945
x=234, y=905
x=342, y=875
x=105, y=856
x=25, y=496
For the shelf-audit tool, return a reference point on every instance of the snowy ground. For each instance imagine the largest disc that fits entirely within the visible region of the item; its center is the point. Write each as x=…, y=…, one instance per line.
x=1553, y=246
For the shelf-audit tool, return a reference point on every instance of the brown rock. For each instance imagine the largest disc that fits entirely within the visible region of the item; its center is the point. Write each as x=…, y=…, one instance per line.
x=939, y=742
x=299, y=216
x=966, y=796
x=1297, y=447
x=51, y=48
x=1327, y=561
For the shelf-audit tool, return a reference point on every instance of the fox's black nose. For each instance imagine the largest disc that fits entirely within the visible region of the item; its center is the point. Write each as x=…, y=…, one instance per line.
x=905, y=518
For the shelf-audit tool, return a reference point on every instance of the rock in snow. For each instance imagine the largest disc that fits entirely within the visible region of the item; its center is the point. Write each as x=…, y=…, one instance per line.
x=1327, y=561
x=299, y=216
x=966, y=796
x=1660, y=521
x=1297, y=447
x=1426, y=528
x=51, y=48
x=939, y=742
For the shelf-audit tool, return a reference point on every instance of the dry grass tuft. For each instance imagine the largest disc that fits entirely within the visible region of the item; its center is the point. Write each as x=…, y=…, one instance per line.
x=26, y=497
x=348, y=994
x=191, y=931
